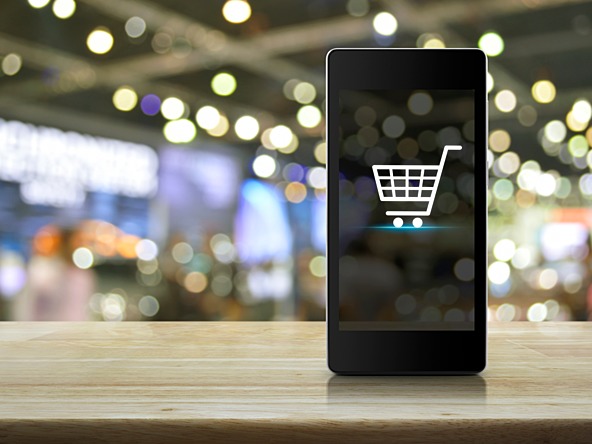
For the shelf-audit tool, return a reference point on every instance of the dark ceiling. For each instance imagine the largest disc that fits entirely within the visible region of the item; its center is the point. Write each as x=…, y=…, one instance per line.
x=282, y=40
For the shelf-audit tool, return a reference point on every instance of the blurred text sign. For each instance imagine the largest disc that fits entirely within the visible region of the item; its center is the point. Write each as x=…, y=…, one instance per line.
x=57, y=168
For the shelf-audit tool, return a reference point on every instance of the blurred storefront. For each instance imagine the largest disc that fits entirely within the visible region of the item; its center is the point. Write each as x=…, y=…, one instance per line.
x=164, y=160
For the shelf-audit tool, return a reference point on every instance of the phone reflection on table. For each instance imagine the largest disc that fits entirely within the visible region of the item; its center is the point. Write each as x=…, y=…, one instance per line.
x=356, y=390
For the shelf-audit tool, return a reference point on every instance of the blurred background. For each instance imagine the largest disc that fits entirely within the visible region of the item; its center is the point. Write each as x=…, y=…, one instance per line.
x=164, y=160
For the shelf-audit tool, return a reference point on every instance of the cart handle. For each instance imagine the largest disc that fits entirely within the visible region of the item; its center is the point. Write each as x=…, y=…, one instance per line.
x=445, y=152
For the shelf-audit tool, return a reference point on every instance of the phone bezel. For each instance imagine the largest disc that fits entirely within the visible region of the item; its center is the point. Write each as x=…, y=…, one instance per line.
x=406, y=352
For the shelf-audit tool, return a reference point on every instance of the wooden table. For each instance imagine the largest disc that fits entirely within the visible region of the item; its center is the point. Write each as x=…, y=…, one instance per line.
x=268, y=382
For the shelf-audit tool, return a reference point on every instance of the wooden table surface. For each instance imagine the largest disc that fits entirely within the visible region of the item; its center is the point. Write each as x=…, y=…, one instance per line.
x=268, y=382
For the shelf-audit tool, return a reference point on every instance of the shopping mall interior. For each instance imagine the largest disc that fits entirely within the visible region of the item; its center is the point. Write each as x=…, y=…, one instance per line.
x=165, y=159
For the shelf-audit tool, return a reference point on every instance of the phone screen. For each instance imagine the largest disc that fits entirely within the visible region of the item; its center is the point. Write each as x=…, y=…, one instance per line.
x=406, y=210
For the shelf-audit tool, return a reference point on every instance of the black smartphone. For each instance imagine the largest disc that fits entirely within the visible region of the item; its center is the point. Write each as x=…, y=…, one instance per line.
x=407, y=211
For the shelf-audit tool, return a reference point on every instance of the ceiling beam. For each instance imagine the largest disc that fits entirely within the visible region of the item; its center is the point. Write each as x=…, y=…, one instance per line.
x=77, y=74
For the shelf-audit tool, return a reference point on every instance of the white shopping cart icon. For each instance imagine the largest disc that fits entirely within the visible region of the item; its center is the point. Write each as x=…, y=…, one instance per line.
x=410, y=183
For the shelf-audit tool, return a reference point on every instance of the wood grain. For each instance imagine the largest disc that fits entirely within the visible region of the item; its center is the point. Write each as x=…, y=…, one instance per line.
x=268, y=382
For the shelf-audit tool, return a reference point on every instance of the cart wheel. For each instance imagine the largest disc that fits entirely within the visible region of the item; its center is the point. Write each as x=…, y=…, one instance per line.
x=417, y=222
x=398, y=222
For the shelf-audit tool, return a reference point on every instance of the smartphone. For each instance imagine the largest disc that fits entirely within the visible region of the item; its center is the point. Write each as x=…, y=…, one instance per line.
x=407, y=211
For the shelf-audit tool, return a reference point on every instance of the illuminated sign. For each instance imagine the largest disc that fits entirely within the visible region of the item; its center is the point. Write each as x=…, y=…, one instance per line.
x=57, y=168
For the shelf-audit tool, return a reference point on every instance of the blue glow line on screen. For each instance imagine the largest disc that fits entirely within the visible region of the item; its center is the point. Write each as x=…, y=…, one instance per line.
x=409, y=227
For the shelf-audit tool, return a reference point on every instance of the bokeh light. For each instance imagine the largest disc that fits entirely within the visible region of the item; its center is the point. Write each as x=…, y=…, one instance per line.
x=318, y=266
x=246, y=127
x=573, y=124
x=146, y=249
x=527, y=115
x=221, y=128
x=464, y=269
x=499, y=140
x=320, y=152
x=236, y=11
x=357, y=8
x=264, y=166
x=38, y=4
x=582, y=111
x=11, y=64
x=83, y=258
x=509, y=163
x=506, y=312
x=505, y=101
x=543, y=91
x=150, y=104
x=223, y=84
x=172, y=108
x=555, y=131
x=281, y=136
x=393, y=126
x=545, y=184
x=504, y=250
x=135, y=27
x=207, y=117
x=295, y=192
x=578, y=146
x=148, y=306
x=503, y=189
x=498, y=272
x=491, y=43
x=309, y=116
x=420, y=103
x=304, y=92
x=385, y=23
x=125, y=98
x=490, y=82
x=537, y=312
x=317, y=177
x=100, y=41
x=182, y=253
x=434, y=42
x=180, y=131
x=195, y=282
x=64, y=9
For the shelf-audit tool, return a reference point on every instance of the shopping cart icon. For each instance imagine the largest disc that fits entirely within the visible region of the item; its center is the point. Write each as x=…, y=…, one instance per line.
x=410, y=183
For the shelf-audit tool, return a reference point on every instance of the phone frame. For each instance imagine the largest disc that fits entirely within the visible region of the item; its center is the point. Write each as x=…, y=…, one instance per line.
x=406, y=352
